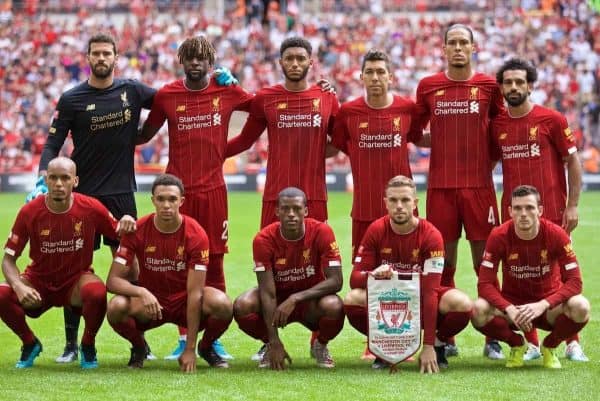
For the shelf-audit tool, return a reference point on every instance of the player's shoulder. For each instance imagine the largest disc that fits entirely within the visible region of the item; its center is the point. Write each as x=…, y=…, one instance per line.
x=502, y=117
x=552, y=229
x=34, y=206
x=173, y=86
x=268, y=233
x=191, y=225
x=354, y=106
x=402, y=103
x=273, y=90
x=428, y=227
x=74, y=93
x=145, y=221
x=503, y=229
x=86, y=201
x=545, y=113
x=129, y=83
x=439, y=78
x=316, y=225
x=485, y=79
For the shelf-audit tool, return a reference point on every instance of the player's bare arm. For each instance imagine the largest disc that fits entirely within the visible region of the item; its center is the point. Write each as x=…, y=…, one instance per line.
x=27, y=295
x=574, y=172
x=195, y=293
x=117, y=283
x=277, y=355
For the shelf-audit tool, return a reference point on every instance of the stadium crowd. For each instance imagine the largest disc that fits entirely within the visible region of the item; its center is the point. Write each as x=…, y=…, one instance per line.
x=41, y=55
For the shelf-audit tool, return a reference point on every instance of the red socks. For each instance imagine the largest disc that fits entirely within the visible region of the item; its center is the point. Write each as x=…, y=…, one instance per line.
x=357, y=316
x=214, y=329
x=563, y=329
x=451, y=324
x=253, y=325
x=499, y=329
x=93, y=298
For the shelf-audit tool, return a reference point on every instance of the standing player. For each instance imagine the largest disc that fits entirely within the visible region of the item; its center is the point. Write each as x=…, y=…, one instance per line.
x=298, y=268
x=298, y=118
x=102, y=115
x=198, y=111
x=534, y=144
x=530, y=248
x=60, y=228
x=374, y=132
x=173, y=253
x=459, y=103
x=402, y=242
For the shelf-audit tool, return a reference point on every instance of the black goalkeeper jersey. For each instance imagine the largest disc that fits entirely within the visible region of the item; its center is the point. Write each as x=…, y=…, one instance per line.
x=103, y=124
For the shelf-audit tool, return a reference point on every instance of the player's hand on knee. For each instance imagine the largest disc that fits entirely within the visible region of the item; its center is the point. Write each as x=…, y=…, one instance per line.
x=126, y=225
x=383, y=272
x=28, y=296
x=283, y=311
x=40, y=189
x=187, y=361
x=224, y=77
x=151, y=304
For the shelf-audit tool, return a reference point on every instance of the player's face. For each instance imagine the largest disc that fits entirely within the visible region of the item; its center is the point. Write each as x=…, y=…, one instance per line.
x=166, y=200
x=400, y=203
x=291, y=212
x=459, y=48
x=60, y=179
x=195, y=68
x=376, y=77
x=515, y=87
x=102, y=59
x=525, y=213
x=295, y=63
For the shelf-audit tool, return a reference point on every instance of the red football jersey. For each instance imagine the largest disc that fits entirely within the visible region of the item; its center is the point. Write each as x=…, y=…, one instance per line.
x=298, y=124
x=527, y=267
x=459, y=113
x=296, y=265
x=376, y=142
x=532, y=149
x=165, y=258
x=198, y=126
x=61, y=245
x=421, y=250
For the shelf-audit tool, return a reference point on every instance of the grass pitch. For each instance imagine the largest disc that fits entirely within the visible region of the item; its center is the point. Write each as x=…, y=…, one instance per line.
x=470, y=376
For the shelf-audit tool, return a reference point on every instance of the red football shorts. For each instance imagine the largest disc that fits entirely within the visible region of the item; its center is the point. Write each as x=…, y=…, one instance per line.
x=450, y=209
x=59, y=296
x=317, y=210
x=174, y=311
x=210, y=210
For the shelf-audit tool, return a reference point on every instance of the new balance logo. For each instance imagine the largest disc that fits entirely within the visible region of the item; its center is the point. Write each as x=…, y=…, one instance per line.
x=180, y=108
x=216, y=119
x=535, y=150
x=90, y=107
x=317, y=120
x=474, y=107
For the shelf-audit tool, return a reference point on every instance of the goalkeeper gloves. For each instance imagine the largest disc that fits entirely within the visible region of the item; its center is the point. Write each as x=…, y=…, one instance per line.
x=40, y=189
x=224, y=77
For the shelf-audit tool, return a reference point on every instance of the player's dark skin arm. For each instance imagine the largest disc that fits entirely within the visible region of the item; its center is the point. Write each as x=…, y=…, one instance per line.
x=251, y=131
x=574, y=173
x=27, y=295
x=266, y=290
x=331, y=151
x=147, y=132
x=117, y=283
x=195, y=292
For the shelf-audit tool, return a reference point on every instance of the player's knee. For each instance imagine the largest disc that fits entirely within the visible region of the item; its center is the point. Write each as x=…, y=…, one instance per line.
x=331, y=305
x=216, y=303
x=118, y=309
x=246, y=303
x=356, y=296
x=93, y=292
x=7, y=295
x=578, y=308
x=481, y=310
x=456, y=301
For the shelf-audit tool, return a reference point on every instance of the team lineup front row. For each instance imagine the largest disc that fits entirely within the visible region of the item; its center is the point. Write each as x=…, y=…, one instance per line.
x=298, y=267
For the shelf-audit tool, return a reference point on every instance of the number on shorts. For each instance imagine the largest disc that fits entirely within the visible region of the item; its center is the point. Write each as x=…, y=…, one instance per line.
x=225, y=235
x=492, y=216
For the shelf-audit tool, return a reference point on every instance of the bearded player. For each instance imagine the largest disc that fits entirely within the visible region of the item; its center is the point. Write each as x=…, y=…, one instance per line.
x=405, y=243
x=198, y=110
x=458, y=104
x=535, y=144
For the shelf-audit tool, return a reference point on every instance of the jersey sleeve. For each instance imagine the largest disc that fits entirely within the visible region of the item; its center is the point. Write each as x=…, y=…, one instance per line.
x=18, y=236
x=146, y=94
x=415, y=133
x=243, y=99
x=158, y=114
x=366, y=258
x=487, y=282
x=433, y=265
x=340, y=137
x=262, y=253
x=197, y=246
x=497, y=102
x=562, y=137
x=569, y=269
x=253, y=128
x=58, y=131
x=106, y=224
x=495, y=151
x=328, y=248
x=127, y=250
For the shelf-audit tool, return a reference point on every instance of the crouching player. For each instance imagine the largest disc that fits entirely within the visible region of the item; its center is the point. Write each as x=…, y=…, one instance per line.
x=531, y=249
x=172, y=250
x=299, y=271
x=405, y=243
x=60, y=228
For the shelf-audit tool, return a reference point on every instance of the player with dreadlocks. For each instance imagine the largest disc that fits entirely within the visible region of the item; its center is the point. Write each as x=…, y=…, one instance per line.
x=198, y=110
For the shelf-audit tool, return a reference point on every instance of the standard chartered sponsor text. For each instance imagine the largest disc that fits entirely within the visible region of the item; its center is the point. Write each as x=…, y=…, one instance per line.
x=294, y=121
x=185, y=123
x=109, y=120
